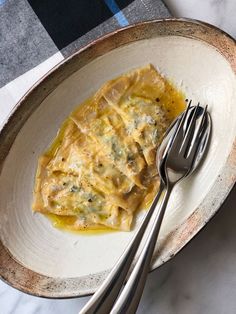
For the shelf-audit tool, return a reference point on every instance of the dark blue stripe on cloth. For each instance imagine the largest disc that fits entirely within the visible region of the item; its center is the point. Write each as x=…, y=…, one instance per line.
x=66, y=21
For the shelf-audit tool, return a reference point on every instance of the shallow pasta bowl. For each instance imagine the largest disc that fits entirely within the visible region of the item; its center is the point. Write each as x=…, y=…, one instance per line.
x=201, y=61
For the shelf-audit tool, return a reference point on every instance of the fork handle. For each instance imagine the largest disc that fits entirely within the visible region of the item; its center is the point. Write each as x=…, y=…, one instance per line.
x=130, y=296
x=102, y=301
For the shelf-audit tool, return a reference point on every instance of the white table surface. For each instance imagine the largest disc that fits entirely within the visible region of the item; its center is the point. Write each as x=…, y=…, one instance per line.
x=202, y=278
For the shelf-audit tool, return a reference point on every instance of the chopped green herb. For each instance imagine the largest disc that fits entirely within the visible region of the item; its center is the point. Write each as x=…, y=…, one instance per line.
x=74, y=189
x=116, y=150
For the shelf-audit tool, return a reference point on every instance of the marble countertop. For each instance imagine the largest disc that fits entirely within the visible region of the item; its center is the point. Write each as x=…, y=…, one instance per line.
x=220, y=13
x=202, y=277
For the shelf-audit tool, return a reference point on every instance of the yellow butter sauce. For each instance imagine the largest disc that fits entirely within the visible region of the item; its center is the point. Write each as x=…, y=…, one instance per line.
x=65, y=223
x=172, y=100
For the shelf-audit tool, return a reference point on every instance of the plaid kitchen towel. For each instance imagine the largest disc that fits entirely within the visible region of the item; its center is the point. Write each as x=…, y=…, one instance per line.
x=35, y=35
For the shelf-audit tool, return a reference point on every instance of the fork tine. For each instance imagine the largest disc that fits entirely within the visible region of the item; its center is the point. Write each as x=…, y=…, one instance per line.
x=179, y=129
x=181, y=123
x=184, y=117
x=189, y=132
x=197, y=137
x=186, y=113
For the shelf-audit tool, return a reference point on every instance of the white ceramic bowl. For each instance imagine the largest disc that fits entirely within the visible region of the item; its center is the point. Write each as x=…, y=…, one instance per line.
x=201, y=61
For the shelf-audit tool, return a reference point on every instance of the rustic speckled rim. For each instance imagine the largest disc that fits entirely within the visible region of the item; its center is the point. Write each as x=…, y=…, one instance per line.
x=26, y=280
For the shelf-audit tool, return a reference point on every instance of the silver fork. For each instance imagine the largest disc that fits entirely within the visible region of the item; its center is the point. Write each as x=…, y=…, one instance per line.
x=179, y=154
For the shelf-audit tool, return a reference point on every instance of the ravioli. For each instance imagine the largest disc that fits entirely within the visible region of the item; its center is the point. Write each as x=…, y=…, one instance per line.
x=101, y=167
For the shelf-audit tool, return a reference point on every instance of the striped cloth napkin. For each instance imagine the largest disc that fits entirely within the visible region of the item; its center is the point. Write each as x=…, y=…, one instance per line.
x=36, y=35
